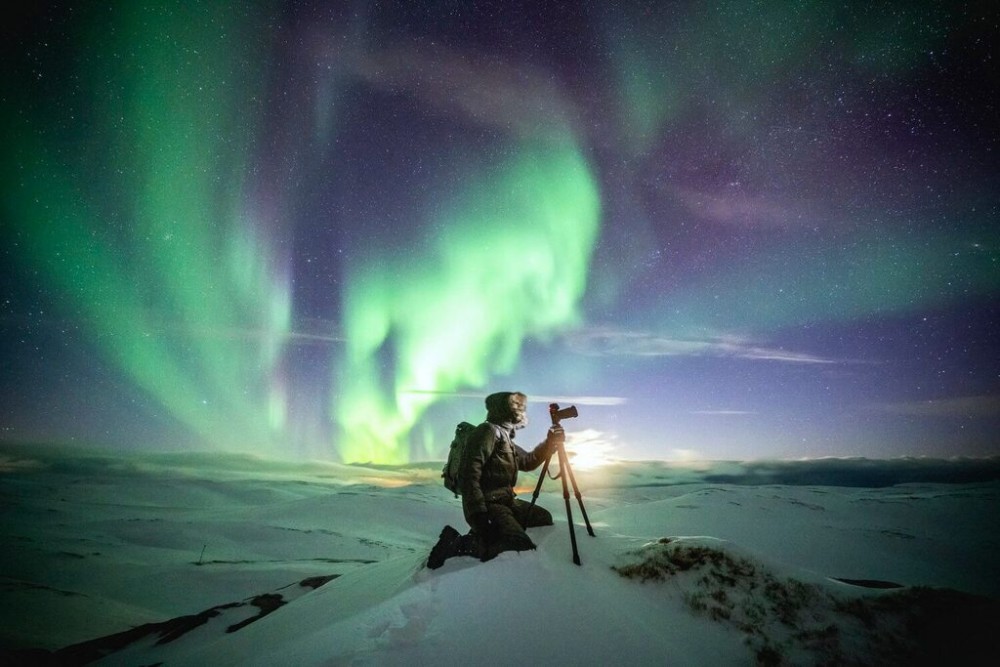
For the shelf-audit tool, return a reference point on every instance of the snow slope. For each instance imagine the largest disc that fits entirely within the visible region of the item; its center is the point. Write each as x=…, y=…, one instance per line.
x=99, y=545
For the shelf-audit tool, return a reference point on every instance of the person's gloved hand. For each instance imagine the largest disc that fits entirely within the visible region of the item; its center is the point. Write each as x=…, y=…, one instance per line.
x=555, y=437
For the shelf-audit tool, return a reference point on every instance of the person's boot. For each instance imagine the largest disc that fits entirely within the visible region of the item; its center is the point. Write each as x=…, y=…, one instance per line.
x=447, y=546
x=470, y=545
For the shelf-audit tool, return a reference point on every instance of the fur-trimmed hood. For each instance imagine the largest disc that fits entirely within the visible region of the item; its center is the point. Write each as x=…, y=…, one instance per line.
x=500, y=409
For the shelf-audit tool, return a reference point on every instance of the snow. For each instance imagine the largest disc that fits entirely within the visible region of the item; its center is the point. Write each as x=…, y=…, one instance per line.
x=100, y=544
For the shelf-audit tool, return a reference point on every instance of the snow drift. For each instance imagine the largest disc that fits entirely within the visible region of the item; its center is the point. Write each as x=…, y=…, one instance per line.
x=233, y=566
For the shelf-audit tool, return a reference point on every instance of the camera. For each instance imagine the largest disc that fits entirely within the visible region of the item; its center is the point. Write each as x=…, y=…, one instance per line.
x=565, y=413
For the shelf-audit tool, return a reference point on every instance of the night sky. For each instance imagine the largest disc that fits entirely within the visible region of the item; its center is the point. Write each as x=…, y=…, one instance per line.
x=725, y=230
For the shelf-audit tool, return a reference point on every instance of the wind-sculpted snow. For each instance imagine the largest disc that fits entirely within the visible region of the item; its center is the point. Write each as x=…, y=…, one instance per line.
x=129, y=550
x=788, y=619
x=711, y=601
x=144, y=642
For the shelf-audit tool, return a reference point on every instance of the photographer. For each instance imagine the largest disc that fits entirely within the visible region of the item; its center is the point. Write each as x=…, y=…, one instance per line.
x=488, y=474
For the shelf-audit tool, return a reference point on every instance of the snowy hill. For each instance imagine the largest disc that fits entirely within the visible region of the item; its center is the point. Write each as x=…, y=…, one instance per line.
x=682, y=601
x=259, y=564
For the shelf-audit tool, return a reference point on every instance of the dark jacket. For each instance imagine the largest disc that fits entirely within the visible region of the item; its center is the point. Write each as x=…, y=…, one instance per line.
x=490, y=464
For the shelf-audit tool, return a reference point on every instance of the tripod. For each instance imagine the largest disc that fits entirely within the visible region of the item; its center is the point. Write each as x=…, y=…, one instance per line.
x=564, y=470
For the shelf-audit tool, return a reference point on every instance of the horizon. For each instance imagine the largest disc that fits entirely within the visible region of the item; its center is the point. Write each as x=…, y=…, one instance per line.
x=849, y=472
x=679, y=460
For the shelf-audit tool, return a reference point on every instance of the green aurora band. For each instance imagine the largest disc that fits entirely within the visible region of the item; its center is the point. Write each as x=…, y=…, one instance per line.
x=879, y=273
x=127, y=187
x=118, y=210
x=508, y=261
x=725, y=51
x=728, y=54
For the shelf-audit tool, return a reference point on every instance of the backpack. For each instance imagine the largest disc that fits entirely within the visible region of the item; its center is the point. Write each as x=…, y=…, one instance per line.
x=450, y=473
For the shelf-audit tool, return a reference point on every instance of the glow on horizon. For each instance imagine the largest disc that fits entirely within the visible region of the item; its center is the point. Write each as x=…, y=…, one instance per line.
x=589, y=449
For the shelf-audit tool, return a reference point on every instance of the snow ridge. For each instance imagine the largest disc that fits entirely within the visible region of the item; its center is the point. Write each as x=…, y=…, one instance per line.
x=787, y=619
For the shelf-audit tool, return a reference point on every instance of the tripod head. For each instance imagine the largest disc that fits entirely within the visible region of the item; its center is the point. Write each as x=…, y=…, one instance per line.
x=557, y=415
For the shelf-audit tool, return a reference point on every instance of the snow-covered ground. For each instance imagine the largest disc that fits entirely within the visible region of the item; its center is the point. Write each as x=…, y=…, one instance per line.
x=717, y=564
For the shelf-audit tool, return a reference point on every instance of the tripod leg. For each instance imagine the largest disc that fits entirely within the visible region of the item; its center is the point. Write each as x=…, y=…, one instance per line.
x=538, y=487
x=563, y=466
x=579, y=498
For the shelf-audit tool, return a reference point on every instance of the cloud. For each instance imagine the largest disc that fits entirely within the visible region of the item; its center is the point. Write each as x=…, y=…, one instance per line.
x=615, y=342
x=156, y=324
x=516, y=97
x=569, y=400
x=737, y=207
x=963, y=407
x=11, y=464
x=860, y=472
x=581, y=400
x=680, y=455
x=312, y=330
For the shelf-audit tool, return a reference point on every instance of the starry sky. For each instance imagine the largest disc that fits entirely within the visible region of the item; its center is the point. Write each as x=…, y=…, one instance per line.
x=726, y=230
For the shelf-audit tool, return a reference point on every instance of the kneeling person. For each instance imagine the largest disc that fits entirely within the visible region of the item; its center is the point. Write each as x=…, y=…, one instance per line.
x=488, y=474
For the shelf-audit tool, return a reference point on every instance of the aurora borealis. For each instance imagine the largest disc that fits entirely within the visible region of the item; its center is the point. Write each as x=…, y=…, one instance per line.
x=327, y=229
